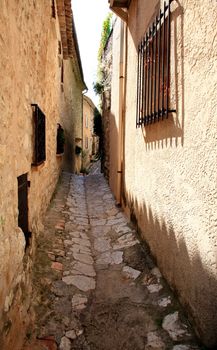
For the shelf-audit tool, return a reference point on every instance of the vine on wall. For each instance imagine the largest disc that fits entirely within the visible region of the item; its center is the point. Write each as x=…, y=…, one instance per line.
x=98, y=86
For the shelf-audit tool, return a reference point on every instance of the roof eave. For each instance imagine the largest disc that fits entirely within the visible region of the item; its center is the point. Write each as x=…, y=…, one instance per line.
x=69, y=36
x=120, y=8
x=119, y=3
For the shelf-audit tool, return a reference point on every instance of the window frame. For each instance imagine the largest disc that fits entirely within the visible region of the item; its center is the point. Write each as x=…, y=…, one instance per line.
x=153, y=70
x=39, y=122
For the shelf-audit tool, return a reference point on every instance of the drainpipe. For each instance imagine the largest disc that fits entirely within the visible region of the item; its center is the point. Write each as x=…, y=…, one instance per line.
x=122, y=90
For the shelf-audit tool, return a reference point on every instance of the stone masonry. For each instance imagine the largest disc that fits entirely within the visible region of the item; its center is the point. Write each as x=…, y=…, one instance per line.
x=40, y=65
x=95, y=285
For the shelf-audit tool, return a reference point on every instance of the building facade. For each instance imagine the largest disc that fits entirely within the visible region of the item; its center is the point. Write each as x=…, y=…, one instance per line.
x=163, y=142
x=90, y=140
x=41, y=89
x=106, y=69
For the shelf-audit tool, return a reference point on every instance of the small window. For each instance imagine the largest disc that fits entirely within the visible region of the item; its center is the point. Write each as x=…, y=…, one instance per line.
x=60, y=139
x=53, y=8
x=23, y=207
x=86, y=142
x=39, y=135
x=153, y=72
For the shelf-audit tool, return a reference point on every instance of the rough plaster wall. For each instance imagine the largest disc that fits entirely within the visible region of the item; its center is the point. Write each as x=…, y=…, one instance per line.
x=87, y=132
x=170, y=166
x=114, y=114
x=105, y=142
x=107, y=61
x=71, y=114
x=29, y=73
x=77, y=117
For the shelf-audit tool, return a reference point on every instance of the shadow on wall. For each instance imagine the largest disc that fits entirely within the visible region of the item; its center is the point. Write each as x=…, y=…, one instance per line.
x=114, y=173
x=104, y=140
x=194, y=285
x=183, y=267
x=69, y=157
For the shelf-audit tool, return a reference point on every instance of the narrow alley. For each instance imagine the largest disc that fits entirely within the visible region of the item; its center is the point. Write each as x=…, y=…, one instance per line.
x=108, y=148
x=95, y=285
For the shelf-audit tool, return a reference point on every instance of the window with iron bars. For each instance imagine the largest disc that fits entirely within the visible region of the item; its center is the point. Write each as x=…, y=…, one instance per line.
x=153, y=75
x=39, y=135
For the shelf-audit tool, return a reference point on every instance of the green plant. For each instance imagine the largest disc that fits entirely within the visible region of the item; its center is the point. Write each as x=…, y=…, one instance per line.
x=98, y=86
x=78, y=150
x=106, y=30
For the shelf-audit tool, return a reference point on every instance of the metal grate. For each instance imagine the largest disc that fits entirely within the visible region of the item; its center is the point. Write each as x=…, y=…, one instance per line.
x=153, y=74
x=39, y=135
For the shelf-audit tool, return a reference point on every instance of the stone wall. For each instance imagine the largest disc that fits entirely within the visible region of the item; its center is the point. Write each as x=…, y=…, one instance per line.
x=30, y=73
x=170, y=167
x=71, y=116
x=105, y=153
x=88, y=119
x=106, y=105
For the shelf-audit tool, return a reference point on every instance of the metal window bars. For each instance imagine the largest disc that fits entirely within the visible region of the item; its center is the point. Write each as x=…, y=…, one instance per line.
x=39, y=135
x=153, y=72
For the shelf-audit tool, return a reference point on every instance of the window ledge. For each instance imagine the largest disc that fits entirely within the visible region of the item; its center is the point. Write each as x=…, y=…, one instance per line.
x=38, y=166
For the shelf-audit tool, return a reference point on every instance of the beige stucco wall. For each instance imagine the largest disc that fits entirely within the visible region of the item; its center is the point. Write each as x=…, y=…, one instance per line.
x=114, y=116
x=170, y=174
x=88, y=118
x=71, y=116
x=30, y=72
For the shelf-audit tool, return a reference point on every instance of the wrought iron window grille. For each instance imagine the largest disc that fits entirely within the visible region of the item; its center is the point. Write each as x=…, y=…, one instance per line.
x=39, y=135
x=153, y=72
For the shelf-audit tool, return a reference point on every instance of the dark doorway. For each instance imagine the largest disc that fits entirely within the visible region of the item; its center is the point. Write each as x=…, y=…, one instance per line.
x=23, y=206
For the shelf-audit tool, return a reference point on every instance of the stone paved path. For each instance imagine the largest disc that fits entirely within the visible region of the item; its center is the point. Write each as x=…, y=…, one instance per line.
x=96, y=287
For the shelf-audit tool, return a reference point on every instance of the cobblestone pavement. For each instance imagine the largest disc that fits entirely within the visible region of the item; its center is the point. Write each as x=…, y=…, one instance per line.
x=96, y=287
x=95, y=168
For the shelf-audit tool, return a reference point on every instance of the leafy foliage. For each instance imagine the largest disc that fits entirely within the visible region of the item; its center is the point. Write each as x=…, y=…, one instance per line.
x=106, y=30
x=98, y=88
